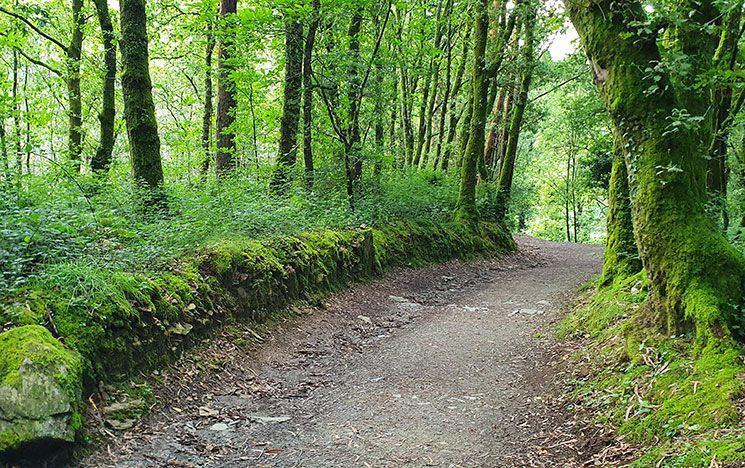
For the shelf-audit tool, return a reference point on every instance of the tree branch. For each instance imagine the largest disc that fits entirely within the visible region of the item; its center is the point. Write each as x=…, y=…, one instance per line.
x=36, y=29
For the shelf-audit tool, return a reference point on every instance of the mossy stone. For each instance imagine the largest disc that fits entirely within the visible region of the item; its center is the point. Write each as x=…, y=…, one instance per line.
x=40, y=389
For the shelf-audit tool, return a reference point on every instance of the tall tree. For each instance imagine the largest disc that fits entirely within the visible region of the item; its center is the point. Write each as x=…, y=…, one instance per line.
x=226, y=102
x=310, y=41
x=137, y=90
x=208, y=97
x=466, y=210
x=290, y=120
x=696, y=277
x=507, y=173
x=102, y=159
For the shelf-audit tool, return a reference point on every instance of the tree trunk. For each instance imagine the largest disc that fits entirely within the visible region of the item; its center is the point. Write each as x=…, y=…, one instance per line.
x=308, y=93
x=102, y=159
x=75, y=101
x=226, y=103
x=507, y=173
x=352, y=158
x=695, y=276
x=139, y=109
x=621, y=258
x=455, y=116
x=290, y=120
x=466, y=210
x=724, y=60
x=4, y=166
x=208, y=97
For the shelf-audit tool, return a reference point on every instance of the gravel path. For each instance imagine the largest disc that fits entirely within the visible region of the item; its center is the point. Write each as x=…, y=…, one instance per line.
x=454, y=365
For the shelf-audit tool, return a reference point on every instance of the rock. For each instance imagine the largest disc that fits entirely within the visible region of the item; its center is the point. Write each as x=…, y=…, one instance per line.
x=268, y=419
x=219, y=427
x=127, y=406
x=122, y=425
x=40, y=389
x=365, y=319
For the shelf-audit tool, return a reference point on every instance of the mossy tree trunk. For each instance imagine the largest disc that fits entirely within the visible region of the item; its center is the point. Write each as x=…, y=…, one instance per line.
x=466, y=210
x=226, y=102
x=724, y=110
x=290, y=121
x=137, y=90
x=695, y=275
x=208, y=108
x=75, y=100
x=310, y=41
x=621, y=258
x=102, y=159
x=504, y=189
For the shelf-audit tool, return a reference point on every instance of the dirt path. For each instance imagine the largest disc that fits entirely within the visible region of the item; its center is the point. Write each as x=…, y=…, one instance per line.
x=448, y=366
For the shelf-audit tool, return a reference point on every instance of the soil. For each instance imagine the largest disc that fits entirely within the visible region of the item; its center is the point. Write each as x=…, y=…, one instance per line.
x=454, y=365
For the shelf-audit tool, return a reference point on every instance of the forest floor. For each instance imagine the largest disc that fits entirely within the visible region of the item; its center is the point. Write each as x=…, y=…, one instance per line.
x=454, y=365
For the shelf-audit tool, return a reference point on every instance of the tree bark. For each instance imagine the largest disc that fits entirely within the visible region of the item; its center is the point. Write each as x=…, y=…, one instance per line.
x=226, y=102
x=310, y=40
x=466, y=210
x=504, y=189
x=102, y=159
x=695, y=276
x=621, y=258
x=290, y=120
x=208, y=106
x=75, y=101
x=139, y=109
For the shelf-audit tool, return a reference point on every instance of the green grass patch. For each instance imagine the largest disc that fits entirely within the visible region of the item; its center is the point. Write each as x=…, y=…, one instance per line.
x=681, y=404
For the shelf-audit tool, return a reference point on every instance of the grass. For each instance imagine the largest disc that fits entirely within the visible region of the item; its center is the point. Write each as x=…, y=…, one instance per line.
x=681, y=405
x=54, y=221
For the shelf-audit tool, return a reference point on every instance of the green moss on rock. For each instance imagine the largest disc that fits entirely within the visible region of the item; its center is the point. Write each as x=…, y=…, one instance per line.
x=41, y=383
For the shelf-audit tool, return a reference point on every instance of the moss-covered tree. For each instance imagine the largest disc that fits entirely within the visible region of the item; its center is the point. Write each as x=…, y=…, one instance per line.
x=137, y=90
x=466, y=210
x=695, y=275
x=226, y=102
x=290, y=120
x=102, y=159
x=621, y=257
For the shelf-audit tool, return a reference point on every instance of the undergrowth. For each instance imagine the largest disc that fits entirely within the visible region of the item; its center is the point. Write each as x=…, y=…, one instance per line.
x=679, y=404
x=53, y=220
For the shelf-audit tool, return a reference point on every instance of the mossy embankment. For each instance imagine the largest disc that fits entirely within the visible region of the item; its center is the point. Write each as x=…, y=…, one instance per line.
x=679, y=403
x=122, y=323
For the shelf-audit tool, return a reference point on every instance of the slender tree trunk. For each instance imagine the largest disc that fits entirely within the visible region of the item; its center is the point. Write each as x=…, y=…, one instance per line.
x=4, y=167
x=17, y=122
x=75, y=101
x=208, y=106
x=139, y=109
x=225, y=134
x=621, y=258
x=455, y=116
x=408, y=129
x=445, y=99
x=310, y=40
x=504, y=189
x=102, y=159
x=290, y=120
x=494, y=129
x=466, y=210
x=696, y=277
x=352, y=158
x=724, y=59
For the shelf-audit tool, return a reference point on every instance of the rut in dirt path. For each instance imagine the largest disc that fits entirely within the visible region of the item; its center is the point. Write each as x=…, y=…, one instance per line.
x=452, y=365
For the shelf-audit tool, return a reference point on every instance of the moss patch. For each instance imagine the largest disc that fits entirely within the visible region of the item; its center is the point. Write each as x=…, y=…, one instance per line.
x=677, y=401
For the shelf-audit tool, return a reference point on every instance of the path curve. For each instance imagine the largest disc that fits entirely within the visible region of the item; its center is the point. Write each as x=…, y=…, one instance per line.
x=447, y=366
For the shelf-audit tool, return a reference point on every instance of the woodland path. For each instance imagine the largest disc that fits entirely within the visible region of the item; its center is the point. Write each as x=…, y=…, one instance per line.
x=454, y=365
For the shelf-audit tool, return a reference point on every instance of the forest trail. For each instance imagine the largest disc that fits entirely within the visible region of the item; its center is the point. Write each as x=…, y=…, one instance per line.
x=450, y=366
